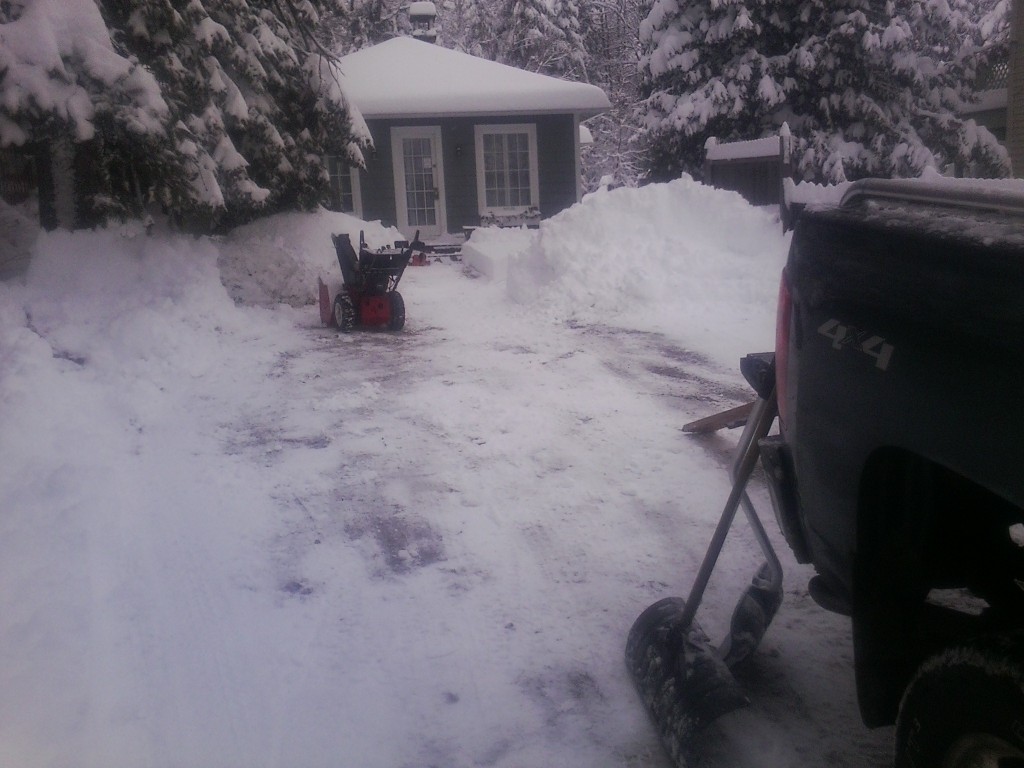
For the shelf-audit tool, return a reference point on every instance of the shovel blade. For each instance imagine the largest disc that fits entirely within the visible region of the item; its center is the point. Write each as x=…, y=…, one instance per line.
x=751, y=617
x=682, y=681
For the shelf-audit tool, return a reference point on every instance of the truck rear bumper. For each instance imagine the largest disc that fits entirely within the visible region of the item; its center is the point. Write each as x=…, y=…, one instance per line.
x=777, y=460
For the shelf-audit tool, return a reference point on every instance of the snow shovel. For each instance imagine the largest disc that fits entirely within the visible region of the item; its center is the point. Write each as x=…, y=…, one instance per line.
x=684, y=681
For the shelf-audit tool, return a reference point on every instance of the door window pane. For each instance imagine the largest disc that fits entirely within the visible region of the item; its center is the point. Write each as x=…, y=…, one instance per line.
x=420, y=186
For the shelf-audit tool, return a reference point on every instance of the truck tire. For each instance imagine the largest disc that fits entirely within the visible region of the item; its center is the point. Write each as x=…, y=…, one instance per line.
x=965, y=707
x=396, y=315
x=344, y=312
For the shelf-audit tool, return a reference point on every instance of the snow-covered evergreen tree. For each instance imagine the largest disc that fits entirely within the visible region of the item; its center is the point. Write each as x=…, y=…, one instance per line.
x=256, y=101
x=470, y=26
x=61, y=78
x=219, y=109
x=610, y=29
x=867, y=88
x=542, y=36
x=358, y=24
x=569, y=18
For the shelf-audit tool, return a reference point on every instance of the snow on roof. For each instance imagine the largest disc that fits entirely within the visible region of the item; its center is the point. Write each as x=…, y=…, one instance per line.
x=404, y=77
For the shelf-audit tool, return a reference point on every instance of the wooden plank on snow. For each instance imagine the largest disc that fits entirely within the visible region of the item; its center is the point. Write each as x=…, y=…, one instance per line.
x=730, y=419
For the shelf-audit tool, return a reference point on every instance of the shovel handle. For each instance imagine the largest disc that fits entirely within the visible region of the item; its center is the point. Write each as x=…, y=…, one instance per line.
x=757, y=426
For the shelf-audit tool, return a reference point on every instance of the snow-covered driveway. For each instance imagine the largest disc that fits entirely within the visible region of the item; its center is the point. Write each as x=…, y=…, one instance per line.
x=517, y=492
x=232, y=537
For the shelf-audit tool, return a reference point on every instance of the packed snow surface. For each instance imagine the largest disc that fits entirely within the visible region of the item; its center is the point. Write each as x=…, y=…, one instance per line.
x=233, y=537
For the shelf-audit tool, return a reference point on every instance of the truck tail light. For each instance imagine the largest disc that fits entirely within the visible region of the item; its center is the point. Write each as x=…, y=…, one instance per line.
x=783, y=318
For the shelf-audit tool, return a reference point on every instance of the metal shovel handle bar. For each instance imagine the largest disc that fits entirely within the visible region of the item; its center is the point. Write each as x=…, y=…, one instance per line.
x=757, y=426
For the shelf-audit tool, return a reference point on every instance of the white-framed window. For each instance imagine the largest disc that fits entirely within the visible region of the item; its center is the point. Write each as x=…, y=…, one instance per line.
x=506, y=169
x=344, y=189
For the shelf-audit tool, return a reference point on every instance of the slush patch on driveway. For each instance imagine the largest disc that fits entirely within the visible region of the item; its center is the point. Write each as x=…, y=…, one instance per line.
x=406, y=540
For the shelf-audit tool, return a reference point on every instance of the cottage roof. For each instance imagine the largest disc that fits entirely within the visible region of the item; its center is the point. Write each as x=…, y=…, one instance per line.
x=404, y=77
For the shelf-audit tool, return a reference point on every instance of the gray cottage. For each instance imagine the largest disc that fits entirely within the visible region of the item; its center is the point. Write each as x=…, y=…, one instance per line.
x=460, y=141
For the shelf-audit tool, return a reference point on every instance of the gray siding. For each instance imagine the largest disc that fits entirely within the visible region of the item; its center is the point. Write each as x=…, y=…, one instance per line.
x=377, y=182
x=556, y=151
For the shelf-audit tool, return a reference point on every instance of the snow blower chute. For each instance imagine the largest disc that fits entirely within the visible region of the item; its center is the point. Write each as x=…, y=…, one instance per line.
x=684, y=681
x=368, y=296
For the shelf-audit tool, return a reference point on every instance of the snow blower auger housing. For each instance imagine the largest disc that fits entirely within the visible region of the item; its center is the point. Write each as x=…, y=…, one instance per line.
x=684, y=681
x=368, y=296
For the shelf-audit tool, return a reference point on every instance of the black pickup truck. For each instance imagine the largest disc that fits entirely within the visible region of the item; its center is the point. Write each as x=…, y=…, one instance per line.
x=898, y=470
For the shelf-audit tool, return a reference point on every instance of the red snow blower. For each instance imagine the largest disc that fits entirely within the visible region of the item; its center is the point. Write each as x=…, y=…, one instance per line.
x=684, y=681
x=368, y=297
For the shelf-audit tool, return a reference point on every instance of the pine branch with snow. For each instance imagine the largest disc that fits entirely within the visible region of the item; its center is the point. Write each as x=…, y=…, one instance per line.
x=221, y=110
x=868, y=89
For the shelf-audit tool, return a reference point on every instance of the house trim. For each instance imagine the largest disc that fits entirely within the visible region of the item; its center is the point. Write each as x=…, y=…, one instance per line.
x=577, y=156
x=357, y=191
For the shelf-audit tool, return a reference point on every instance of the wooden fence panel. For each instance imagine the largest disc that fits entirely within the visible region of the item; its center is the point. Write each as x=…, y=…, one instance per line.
x=755, y=169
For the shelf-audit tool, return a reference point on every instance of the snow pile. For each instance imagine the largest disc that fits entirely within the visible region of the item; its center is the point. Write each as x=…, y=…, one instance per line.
x=120, y=294
x=489, y=249
x=120, y=354
x=681, y=258
x=278, y=259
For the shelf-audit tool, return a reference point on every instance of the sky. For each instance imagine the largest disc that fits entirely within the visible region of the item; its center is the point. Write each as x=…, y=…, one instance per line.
x=234, y=537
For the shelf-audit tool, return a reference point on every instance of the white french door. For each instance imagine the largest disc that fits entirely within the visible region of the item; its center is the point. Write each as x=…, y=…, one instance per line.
x=419, y=180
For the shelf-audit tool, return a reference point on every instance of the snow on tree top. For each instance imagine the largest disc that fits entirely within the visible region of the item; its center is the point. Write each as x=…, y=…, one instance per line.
x=403, y=77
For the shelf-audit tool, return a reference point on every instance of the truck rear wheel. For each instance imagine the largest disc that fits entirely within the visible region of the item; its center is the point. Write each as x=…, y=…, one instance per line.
x=965, y=707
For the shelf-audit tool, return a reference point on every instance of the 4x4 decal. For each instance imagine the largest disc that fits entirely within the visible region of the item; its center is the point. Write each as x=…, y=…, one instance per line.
x=870, y=344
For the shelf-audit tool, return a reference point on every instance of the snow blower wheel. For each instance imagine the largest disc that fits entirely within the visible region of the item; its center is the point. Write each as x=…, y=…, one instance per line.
x=396, y=307
x=344, y=312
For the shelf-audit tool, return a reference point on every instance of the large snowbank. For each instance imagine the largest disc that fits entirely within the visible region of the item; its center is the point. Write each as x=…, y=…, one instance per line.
x=294, y=249
x=680, y=258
